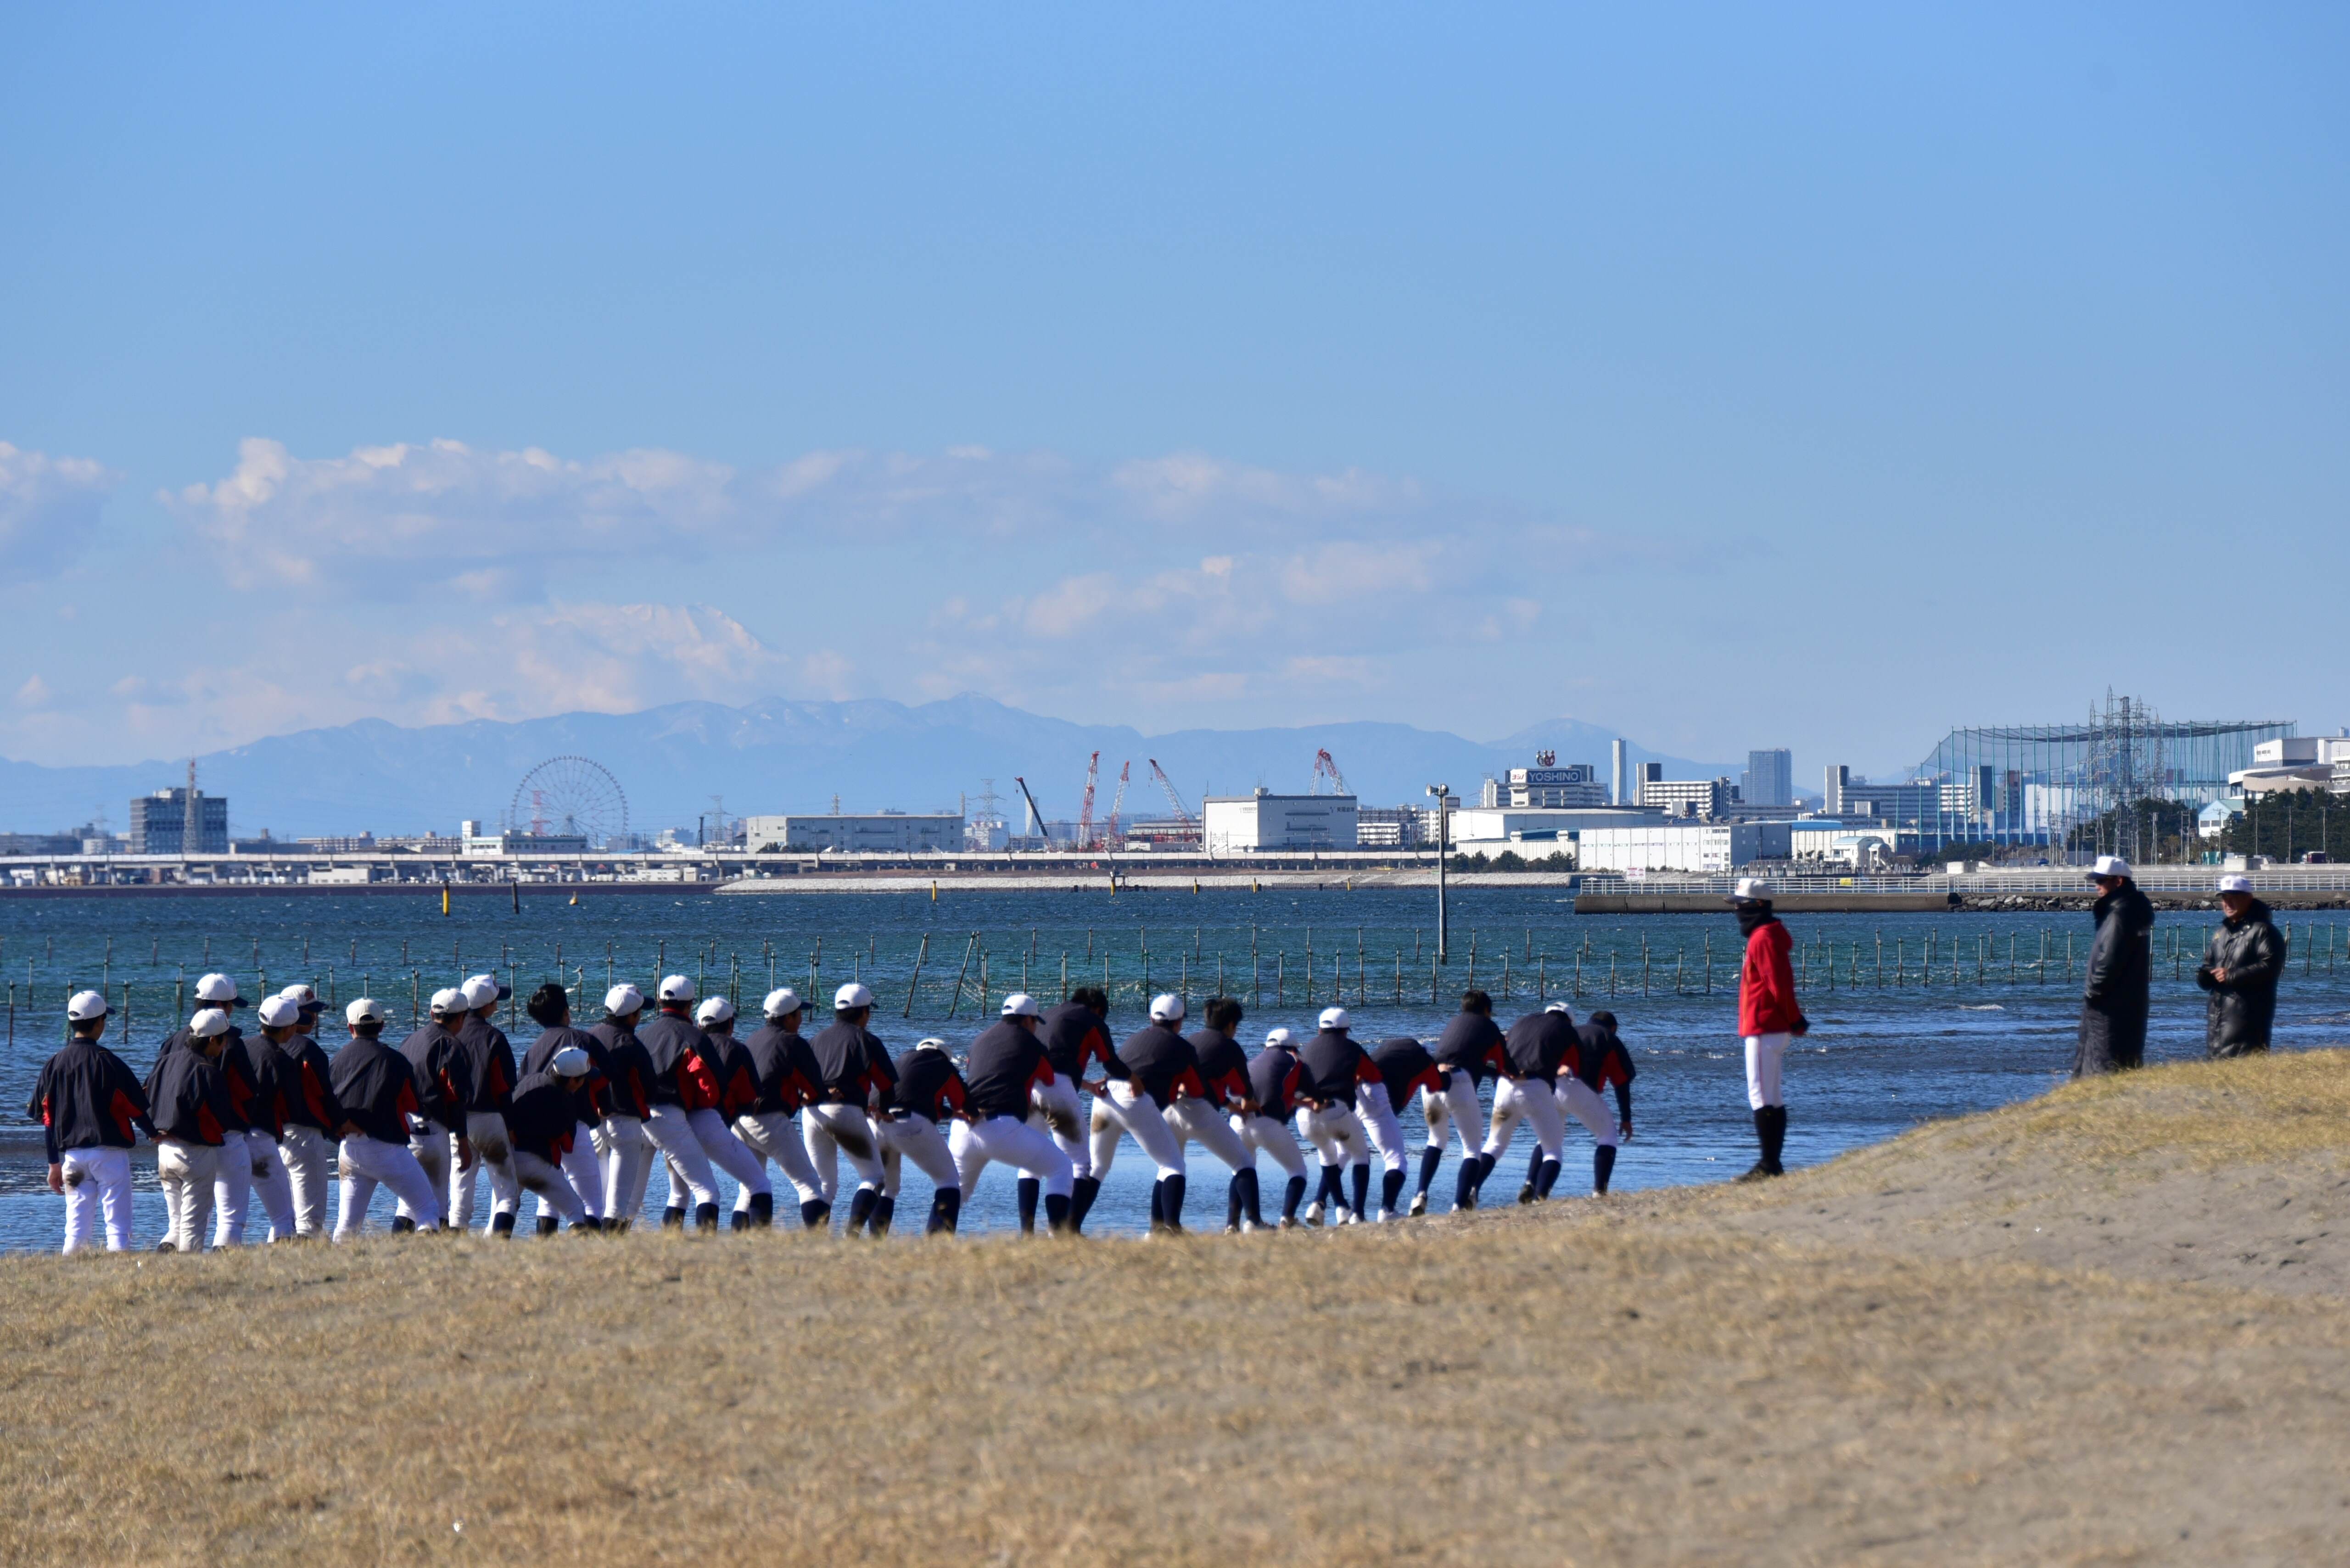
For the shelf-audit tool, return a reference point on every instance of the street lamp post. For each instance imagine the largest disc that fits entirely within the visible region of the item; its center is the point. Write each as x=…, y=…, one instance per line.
x=1443, y=947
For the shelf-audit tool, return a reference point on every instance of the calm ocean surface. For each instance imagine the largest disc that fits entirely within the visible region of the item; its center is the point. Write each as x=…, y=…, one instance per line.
x=1884, y=1053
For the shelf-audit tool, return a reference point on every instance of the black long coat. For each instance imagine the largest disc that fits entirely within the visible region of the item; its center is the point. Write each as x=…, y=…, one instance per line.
x=2114, y=1001
x=2244, y=1009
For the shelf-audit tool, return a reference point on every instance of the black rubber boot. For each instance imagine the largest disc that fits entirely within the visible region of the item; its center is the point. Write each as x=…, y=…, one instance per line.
x=1762, y=1166
x=883, y=1212
x=501, y=1225
x=762, y=1209
x=1603, y=1166
x=673, y=1218
x=1082, y=1193
x=946, y=1209
x=1057, y=1215
x=1430, y=1158
x=1774, y=1140
x=1391, y=1188
x=814, y=1214
x=1158, y=1204
x=1252, y=1195
x=1292, y=1196
x=1546, y=1180
x=1170, y=1203
x=1030, y=1188
x=860, y=1209
x=401, y=1224
x=1359, y=1178
x=1464, y=1186
x=706, y=1217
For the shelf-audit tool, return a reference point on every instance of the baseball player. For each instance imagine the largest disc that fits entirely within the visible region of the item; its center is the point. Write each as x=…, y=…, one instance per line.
x=264, y=1112
x=1533, y=1050
x=730, y=1068
x=1008, y=1064
x=550, y=1008
x=1768, y=1017
x=490, y=1067
x=684, y=1084
x=89, y=1106
x=1214, y=1122
x=1406, y=1070
x=291, y=1078
x=625, y=1102
x=542, y=1119
x=232, y=1178
x=1336, y=1069
x=853, y=1066
x=1274, y=1077
x=1075, y=1034
x=444, y=1089
x=1152, y=1068
x=1597, y=1061
x=783, y=1075
x=376, y=1086
x=188, y=1102
x=929, y=1091
x=1469, y=1051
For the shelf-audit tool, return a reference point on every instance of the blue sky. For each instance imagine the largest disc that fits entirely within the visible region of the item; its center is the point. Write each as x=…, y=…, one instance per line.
x=1730, y=376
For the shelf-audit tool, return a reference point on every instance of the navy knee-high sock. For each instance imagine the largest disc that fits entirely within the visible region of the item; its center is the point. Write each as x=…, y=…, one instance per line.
x=1361, y=1177
x=1082, y=1193
x=1171, y=1202
x=946, y=1209
x=1057, y=1214
x=1391, y=1188
x=1157, y=1203
x=1292, y=1196
x=1603, y=1166
x=1464, y=1185
x=1430, y=1158
x=1252, y=1203
x=1548, y=1179
x=1533, y=1166
x=1233, y=1202
x=1029, y=1190
x=1328, y=1193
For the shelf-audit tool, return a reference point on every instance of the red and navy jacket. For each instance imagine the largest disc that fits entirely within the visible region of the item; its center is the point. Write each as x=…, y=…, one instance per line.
x=190, y=1100
x=1075, y=1035
x=1600, y=1059
x=489, y=1062
x=1006, y=1061
x=783, y=1070
x=87, y=1098
x=928, y=1086
x=540, y=1058
x=1223, y=1068
x=235, y=1066
x=296, y=1084
x=543, y=1118
x=730, y=1063
x=1335, y=1063
x=1472, y=1041
x=1276, y=1075
x=851, y=1063
x=628, y=1072
x=1163, y=1063
x=679, y=1051
x=377, y=1088
x=1538, y=1044
x=266, y=1108
x=1406, y=1067
x=443, y=1085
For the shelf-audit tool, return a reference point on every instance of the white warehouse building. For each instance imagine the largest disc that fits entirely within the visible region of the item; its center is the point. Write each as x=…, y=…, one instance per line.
x=1705, y=848
x=878, y=833
x=1264, y=821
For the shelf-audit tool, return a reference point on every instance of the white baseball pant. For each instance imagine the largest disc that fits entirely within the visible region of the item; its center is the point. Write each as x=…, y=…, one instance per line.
x=189, y=1176
x=619, y=1145
x=831, y=1131
x=434, y=1151
x=1454, y=1109
x=494, y=1152
x=308, y=1156
x=1766, y=1054
x=1265, y=1135
x=232, y=1190
x=1581, y=1101
x=553, y=1184
x=1057, y=1109
x=1378, y=1120
x=770, y=1134
x=1016, y=1143
x=96, y=1178
x=1129, y=1108
x=1529, y=1101
x=367, y=1161
x=726, y=1151
x=671, y=1131
x=918, y=1138
x=269, y=1179
x=1193, y=1120
x=1336, y=1133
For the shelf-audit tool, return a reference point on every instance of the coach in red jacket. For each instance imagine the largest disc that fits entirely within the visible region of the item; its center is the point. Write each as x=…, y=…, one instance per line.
x=1768, y=1016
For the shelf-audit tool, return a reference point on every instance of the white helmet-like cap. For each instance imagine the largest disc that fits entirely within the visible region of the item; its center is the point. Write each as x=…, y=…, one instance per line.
x=447, y=1000
x=851, y=996
x=1751, y=890
x=2235, y=882
x=675, y=987
x=2110, y=865
x=365, y=1010
x=1334, y=1018
x=280, y=1012
x=1020, y=1004
x=219, y=989
x=211, y=1021
x=717, y=1010
x=1167, y=1008
x=482, y=990
x=623, y=1000
x=569, y=1062
x=1280, y=1036
x=781, y=1002
x=84, y=1005
x=933, y=1043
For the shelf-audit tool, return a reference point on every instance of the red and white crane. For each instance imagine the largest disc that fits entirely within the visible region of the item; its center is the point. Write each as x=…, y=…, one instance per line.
x=1182, y=813
x=1117, y=801
x=1323, y=765
x=1085, y=812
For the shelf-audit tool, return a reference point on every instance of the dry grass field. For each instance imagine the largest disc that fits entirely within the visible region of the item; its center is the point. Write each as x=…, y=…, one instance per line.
x=1929, y=1352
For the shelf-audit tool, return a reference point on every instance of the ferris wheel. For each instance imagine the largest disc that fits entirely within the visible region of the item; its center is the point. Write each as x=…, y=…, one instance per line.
x=571, y=795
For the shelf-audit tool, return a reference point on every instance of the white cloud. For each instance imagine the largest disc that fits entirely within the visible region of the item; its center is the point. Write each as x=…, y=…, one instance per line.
x=49, y=509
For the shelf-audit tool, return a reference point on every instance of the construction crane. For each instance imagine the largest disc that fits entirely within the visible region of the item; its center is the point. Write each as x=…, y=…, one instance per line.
x=1324, y=766
x=1085, y=812
x=1182, y=813
x=1036, y=812
x=1117, y=801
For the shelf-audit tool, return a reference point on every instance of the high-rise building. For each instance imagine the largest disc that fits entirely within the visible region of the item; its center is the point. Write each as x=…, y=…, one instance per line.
x=159, y=823
x=1620, y=774
x=1770, y=778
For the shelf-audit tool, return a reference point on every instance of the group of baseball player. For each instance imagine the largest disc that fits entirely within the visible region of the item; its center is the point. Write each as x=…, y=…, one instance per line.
x=581, y=1119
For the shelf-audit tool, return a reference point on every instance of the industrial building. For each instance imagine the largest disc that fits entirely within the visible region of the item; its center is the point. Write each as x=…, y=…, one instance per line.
x=1488, y=830
x=876, y=833
x=1705, y=799
x=478, y=844
x=2296, y=762
x=1573, y=785
x=1264, y=821
x=1703, y=847
x=159, y=823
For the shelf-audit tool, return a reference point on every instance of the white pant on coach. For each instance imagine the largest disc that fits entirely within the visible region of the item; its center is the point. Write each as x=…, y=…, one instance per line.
x=1529, y=1101
x=1128, y=1107
x=1057, y=1109
x=671, y=1132
x=1378, y=1120
x=770, y=1134
x=365, y=1162
x=308, y=1157
x=1454, y=1108
x=494, y=1152
x=190, y=1174
x=1017, y=1144
x=1581, y=1101
x=1336, y=1133
x=232, y=1190
x=1265, y=1135
x=831, y=1131
x=1764, y=1055
x=918, y=1138
x=553, y=1184
x=96, y=1177
x=619, y=1145
x=269, y=1179
x=434, y=1151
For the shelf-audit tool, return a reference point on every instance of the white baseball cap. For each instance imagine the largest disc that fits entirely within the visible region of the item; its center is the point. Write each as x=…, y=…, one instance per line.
x=1020, y=1004
x=933, y=1043
x=280, y=1012
x=675, y=987
x=2235, y=882
x=210, y=1021
x=717, y=1010
x=366, y=1010
x=482, y=990
x=301, y=995
x=1334, y=1018
x=781, y=1002
x=219, y=989
x=1560, y=1007
x=1167, y=1008
x=448, y=999
x=570, y=1063
x=623, y=1000
x=1280, y=1036
x=851, y=996
x=84, y=1005
x=2110, y=865
x=1751, y=890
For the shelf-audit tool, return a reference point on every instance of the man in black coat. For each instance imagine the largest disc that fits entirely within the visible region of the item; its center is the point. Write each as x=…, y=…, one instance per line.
x=2241, y=968
x=2113, y=1000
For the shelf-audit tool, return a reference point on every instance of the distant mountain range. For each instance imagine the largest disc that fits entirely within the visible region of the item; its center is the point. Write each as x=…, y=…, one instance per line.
x=776, y=756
